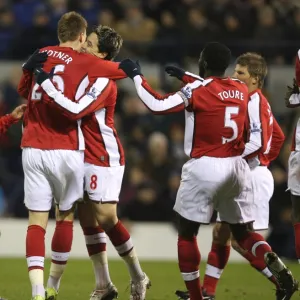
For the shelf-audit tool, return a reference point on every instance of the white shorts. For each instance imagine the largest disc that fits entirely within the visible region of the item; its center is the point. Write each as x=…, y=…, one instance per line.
x=103, y=183
x=294, y=173
x=262, y=188
x=210, y=183
x=52, y=175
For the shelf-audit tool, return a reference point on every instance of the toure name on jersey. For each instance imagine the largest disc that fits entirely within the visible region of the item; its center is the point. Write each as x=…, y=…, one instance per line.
x=61, y=55
x=231, y=94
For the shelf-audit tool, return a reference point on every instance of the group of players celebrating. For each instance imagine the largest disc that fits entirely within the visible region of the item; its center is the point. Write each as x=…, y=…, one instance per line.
x=72, y=155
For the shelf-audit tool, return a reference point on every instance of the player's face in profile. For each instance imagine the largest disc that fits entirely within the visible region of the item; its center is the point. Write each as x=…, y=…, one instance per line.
x=91, y=44
x=241, y=73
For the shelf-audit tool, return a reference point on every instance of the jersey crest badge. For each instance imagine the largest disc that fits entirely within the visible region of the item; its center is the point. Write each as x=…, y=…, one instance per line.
x=187, y=92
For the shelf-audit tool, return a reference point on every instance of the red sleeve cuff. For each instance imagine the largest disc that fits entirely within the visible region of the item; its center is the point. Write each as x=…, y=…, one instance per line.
x=10, y=119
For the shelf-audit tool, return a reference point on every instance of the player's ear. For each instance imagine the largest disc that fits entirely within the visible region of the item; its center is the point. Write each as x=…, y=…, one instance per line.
x=103, y=55
x=81, y=37
x=254, y=80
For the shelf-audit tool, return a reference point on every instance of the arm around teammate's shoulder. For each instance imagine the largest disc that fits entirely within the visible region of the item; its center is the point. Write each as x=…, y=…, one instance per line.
x=91, y=101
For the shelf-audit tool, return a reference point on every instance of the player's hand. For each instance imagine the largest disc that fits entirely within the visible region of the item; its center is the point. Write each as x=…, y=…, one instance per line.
x=40, y=76
x=294, y=89
x=36, y=60
x=130, y=68
x=175, y=72
x=18, y=112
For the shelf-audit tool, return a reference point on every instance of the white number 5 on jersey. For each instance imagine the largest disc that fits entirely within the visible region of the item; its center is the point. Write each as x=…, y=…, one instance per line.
x=229, y=123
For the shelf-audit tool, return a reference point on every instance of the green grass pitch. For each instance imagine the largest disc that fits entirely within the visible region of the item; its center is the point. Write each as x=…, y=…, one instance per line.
x=239, y=281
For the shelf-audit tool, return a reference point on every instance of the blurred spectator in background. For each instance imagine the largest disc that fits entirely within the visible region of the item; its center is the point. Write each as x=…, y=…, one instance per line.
x=198, y=25
x=160, y=23
x=106, y=17
x=56, y=9
x=158, y=162
x=168, y=46
x=40, y=34
x=268, y=31
x=7, y=29
x=137, y=28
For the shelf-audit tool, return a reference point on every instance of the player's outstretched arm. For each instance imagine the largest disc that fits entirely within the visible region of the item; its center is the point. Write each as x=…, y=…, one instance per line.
x=277, y=141
x=93, y=100
x=155, y=102
x=181, y=74
x=107, y=69
x=14, y=117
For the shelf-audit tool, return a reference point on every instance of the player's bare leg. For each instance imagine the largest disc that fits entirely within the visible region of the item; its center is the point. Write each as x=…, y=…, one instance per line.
x=189, y=256
x=35, y=251
x=95, y=238
x=61, y=247
x=255, y=244
x=106, y=215
x=296, y=221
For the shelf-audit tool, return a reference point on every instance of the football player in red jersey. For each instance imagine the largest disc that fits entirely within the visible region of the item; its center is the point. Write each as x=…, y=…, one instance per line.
x=216, y=176
x=104, y=167
x=293, y=100
x=53, y=148
x=264, y=139
x=12, y=118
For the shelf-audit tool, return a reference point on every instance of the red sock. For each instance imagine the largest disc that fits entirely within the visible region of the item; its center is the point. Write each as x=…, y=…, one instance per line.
x=297, y=239
x=35, y=247
x=189, y=260
x=217, y=260
x=62, y=242
x=95, y=239
x=255, y=244
x=261, y=266
x=120, y=238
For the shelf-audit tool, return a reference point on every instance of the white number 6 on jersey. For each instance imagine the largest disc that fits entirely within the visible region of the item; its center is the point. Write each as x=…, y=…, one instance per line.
x=229, y=123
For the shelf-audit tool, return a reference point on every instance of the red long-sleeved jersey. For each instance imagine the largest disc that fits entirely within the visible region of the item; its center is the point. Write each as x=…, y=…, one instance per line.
x=6, y=122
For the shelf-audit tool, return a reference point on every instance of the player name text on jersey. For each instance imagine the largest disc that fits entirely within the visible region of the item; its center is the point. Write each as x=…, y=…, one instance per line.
x=231, y=94
x=61, y=55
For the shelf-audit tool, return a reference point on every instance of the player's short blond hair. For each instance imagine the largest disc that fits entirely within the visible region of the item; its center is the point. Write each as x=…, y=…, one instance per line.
x=70, y=26
x=256, y=65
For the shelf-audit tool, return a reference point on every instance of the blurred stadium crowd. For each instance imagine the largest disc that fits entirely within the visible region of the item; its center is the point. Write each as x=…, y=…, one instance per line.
x=153, y=28
x=158, y=32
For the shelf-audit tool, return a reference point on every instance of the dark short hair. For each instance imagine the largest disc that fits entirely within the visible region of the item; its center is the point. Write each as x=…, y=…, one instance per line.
x=70, y=26
x=109, y=41
x=217, y=56
x=256, y=65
